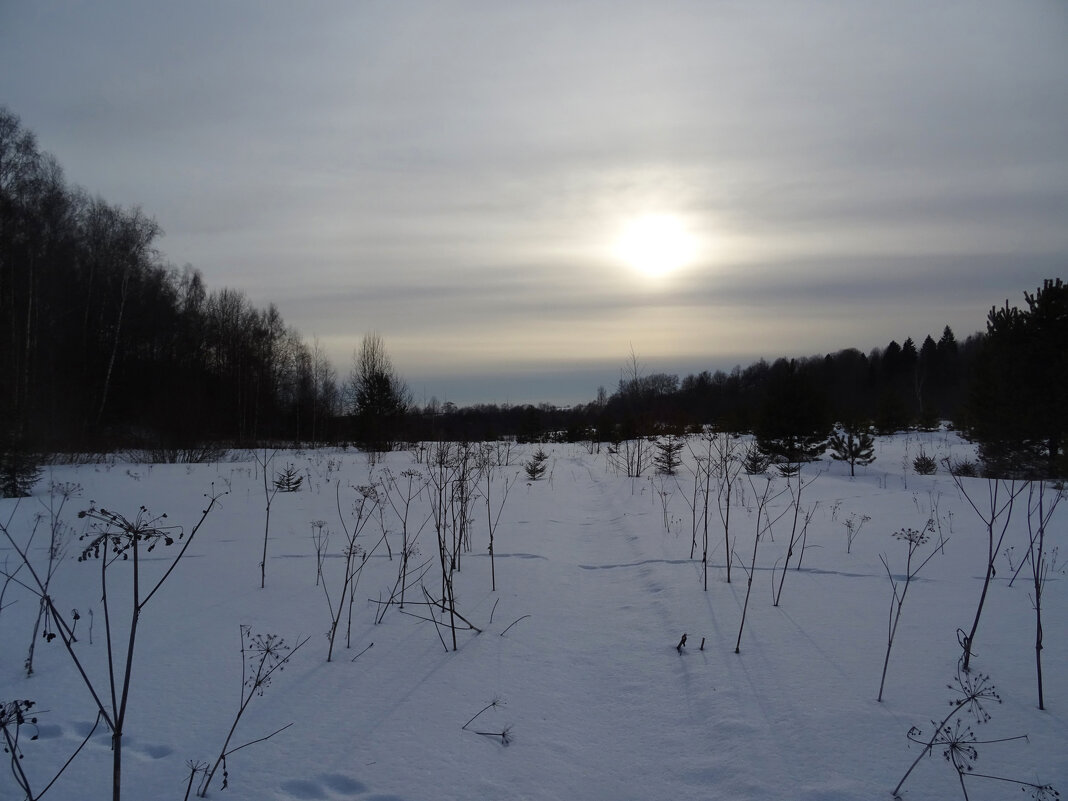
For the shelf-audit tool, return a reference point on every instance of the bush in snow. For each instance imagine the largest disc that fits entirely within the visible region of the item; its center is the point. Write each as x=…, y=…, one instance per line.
x=923, y=464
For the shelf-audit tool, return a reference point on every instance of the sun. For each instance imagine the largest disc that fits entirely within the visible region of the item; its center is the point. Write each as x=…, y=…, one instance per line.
x=656, y=244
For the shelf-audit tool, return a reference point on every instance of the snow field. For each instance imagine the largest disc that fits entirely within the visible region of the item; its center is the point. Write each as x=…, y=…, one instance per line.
x=599, y=703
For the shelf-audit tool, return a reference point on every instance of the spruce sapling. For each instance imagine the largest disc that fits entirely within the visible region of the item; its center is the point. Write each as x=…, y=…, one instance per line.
x=289, y=480
x=754, y=460
x=535, y=467
x=668, y=453
x=924, y=465
x=852, y=445
x=20, y=468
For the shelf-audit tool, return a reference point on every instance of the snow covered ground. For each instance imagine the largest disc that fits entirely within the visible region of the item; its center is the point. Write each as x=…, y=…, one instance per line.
x=578, y=642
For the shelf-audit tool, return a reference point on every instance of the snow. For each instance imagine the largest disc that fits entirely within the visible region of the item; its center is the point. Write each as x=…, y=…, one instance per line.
x=599, y=702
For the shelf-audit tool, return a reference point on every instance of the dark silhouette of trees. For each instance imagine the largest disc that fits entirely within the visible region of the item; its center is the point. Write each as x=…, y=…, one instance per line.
x=795, y=419
x=1019, y=401
x=379, y=398
x=103, y=344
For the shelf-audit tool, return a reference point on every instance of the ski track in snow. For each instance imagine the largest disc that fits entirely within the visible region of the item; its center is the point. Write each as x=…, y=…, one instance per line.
x=700, y=755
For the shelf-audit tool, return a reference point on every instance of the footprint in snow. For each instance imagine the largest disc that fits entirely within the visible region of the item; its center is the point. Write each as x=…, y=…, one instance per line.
x=82, y=728
x=103, y=737
x=340, y=783
x=151, y=751
x=327, y=785
x=304, y=788
x=48, y=731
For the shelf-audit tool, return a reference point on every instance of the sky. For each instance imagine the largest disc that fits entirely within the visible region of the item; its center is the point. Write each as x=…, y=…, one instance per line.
x=471, y=180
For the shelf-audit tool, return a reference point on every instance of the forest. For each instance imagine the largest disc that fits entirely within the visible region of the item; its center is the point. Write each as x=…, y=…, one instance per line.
x=106, y=346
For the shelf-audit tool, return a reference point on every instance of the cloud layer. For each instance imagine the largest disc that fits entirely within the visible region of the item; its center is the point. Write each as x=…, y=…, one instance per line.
x=454, y=175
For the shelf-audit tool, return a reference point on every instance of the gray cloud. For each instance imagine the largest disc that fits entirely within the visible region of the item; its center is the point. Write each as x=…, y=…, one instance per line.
x=453, y=174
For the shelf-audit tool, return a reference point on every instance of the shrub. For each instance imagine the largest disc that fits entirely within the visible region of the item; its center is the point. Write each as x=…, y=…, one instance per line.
x=535, y=468
x=19, y=469
x=924, y=465
x=289, y=480
x=965, y=468
x=853, y=445
x=668, y=455
x=755, y=461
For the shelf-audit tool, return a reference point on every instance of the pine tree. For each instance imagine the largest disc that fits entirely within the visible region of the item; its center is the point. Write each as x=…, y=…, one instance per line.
x=1019, y=401
x=853, y=444
x=794, y=420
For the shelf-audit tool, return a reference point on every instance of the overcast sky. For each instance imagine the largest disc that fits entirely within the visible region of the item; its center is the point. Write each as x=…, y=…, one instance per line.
x=458, y=175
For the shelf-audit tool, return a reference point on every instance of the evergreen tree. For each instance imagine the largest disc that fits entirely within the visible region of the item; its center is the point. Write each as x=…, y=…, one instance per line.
x=927, y=383
x=794, y=421
x=19, y=468
x=379, y=397
x=1019, y=400
x=668, y=455
x=853, y=444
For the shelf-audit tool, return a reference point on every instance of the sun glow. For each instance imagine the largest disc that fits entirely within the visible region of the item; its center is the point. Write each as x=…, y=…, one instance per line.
x=656, y=245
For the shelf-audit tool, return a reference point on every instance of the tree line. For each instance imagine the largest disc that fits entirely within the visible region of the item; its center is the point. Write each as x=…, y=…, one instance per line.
x=104, y=345
x=1005, y=388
